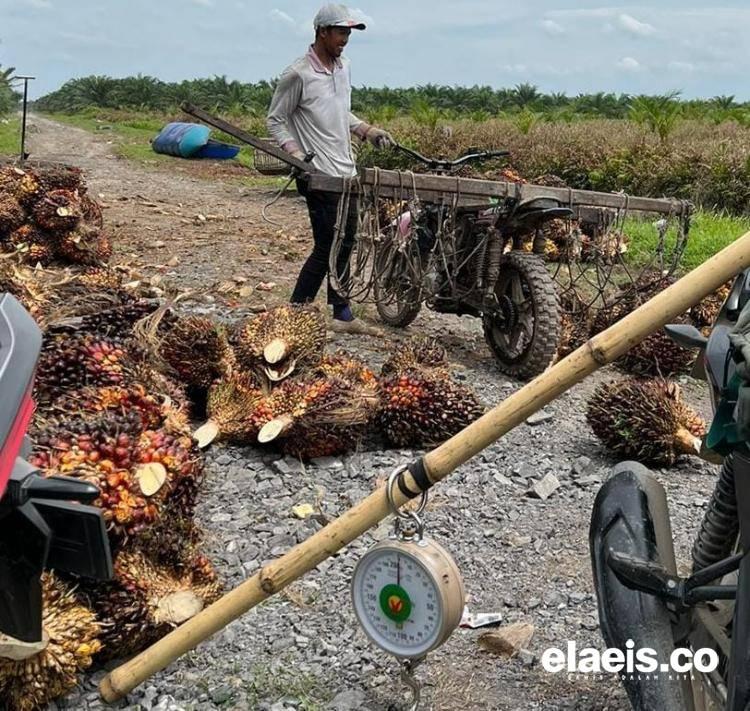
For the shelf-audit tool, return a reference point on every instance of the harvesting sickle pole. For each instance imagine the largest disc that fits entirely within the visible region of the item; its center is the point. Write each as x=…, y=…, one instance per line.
x=435, y=466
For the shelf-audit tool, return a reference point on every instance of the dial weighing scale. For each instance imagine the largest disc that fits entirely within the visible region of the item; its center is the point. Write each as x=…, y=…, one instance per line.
x=407, y=591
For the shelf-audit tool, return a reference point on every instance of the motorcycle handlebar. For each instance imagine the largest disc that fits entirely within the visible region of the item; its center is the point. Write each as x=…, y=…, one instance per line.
x=437, y=164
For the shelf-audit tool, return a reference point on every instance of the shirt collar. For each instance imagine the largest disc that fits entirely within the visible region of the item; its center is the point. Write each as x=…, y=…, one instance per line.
x=317, y=65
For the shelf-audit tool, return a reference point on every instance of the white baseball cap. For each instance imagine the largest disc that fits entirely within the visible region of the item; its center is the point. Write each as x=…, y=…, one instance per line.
x=335, y=15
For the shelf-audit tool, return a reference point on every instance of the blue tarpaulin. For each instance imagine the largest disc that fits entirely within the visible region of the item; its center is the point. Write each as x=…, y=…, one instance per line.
x=191, y=140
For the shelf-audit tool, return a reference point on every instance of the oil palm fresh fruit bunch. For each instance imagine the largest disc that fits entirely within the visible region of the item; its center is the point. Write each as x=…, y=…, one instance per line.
x=58, y=211
x=195, y=348
x=236, y=409
x=704, y=313
x=176, y=458
x=343, y=365
x=118, y=321
x=417, y=353
x=422, y=408
x=146, y=600
x=85, y=245
x=74, y=361
x=316, y=416
x=658, y=355
x=61, y=177
x=100, y=278
x=24, y=185
x=575, y=323
x=110, y=437
x=92, y=213
x=12, y=215
x=281, y=341
x=32, y=245
x=127, y=400
x=645, y=420
x=71, y=637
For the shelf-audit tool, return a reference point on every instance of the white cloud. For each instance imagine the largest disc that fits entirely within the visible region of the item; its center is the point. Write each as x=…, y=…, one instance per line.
x=635, y=27
x=681, y=66
x=513, y=68
x=204, y=3
x=552, y=28
x=629, y=64
x=280, y=15
x=39, y=4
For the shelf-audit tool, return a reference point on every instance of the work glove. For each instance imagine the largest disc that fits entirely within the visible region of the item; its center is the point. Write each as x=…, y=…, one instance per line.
x=298, y=154
x=380, y=138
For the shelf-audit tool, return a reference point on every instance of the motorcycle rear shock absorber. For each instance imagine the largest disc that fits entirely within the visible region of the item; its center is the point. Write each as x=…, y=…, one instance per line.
x=720, y=525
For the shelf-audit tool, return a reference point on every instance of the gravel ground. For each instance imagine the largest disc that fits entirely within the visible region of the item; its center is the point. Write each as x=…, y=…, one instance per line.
x=524, y=557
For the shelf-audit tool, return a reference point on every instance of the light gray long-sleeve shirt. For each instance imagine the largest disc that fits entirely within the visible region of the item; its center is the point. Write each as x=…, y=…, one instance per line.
x=311, y=111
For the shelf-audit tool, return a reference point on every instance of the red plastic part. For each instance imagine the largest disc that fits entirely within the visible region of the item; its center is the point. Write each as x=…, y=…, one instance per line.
x=13, y=444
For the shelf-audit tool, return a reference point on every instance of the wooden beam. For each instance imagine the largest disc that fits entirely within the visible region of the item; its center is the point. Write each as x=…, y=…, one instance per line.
x=392, y=183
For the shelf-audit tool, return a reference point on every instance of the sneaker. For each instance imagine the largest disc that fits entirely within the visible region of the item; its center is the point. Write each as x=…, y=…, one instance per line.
x=342, y=312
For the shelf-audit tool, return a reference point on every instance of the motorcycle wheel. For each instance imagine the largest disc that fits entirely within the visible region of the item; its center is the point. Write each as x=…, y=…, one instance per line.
x=524, y=340
x=397, y=298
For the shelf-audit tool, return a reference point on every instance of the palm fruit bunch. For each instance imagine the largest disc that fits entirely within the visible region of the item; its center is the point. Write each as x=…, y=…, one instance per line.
x=131, y=398
x=92, y=213
x=195, y=348
x=575, y=323
x=604, y=246
x=100, y=278
x=12, y=215
x=645, y=420
x=58, y=211
x=174, y=458
x=75, y=360
x=236, y=408
x=316, y=416
x=281, y=340
x=419, y=408
x=32, y=245
x=343, y=365
x=118, y=321
x=146, y=600
x=106, y=438
x=24, y=185
x=704, y=313
x=658, y=355
x=418, y=353
x=61, y=177
x=71, y=637
x=564, y=241
x=86, y=244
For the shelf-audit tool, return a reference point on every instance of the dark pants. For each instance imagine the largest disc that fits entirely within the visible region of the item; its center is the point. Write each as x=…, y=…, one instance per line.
x=323, y=209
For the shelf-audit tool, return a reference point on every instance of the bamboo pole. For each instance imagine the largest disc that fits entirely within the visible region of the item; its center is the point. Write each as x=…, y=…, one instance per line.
x=599, y=350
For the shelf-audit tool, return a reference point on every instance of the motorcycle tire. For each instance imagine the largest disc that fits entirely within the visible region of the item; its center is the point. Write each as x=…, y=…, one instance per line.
x=531, y=311
x=397, y=299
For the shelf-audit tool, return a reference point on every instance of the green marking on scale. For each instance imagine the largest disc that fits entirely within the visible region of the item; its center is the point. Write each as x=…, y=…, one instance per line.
x=395, y=603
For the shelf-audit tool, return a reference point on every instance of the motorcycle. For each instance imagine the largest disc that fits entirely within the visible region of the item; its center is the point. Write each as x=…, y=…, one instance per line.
x=45, y=523
x=471, y=260
x=640, y=595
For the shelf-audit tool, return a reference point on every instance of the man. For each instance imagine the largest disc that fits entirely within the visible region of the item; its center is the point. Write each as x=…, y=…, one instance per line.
x=310, y=112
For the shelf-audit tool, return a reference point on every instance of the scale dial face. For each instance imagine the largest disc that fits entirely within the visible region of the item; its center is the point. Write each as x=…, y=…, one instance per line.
x=405, y=596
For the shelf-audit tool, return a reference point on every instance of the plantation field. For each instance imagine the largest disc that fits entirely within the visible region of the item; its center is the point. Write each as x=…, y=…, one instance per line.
x=131, y=132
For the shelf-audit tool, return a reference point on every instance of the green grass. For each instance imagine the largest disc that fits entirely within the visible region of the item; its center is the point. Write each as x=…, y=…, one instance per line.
x=132, y=141
x=709, y=233
x=10, y=136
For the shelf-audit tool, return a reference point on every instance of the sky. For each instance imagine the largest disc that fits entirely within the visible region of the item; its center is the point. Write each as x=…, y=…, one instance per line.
x=699, y=49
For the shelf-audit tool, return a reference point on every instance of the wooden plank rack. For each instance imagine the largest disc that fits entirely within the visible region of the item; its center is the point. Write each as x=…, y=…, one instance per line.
x=470, y=191
x=446, y=189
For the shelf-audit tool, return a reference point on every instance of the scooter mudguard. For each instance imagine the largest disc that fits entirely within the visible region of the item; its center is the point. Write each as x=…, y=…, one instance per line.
x=630, y=516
